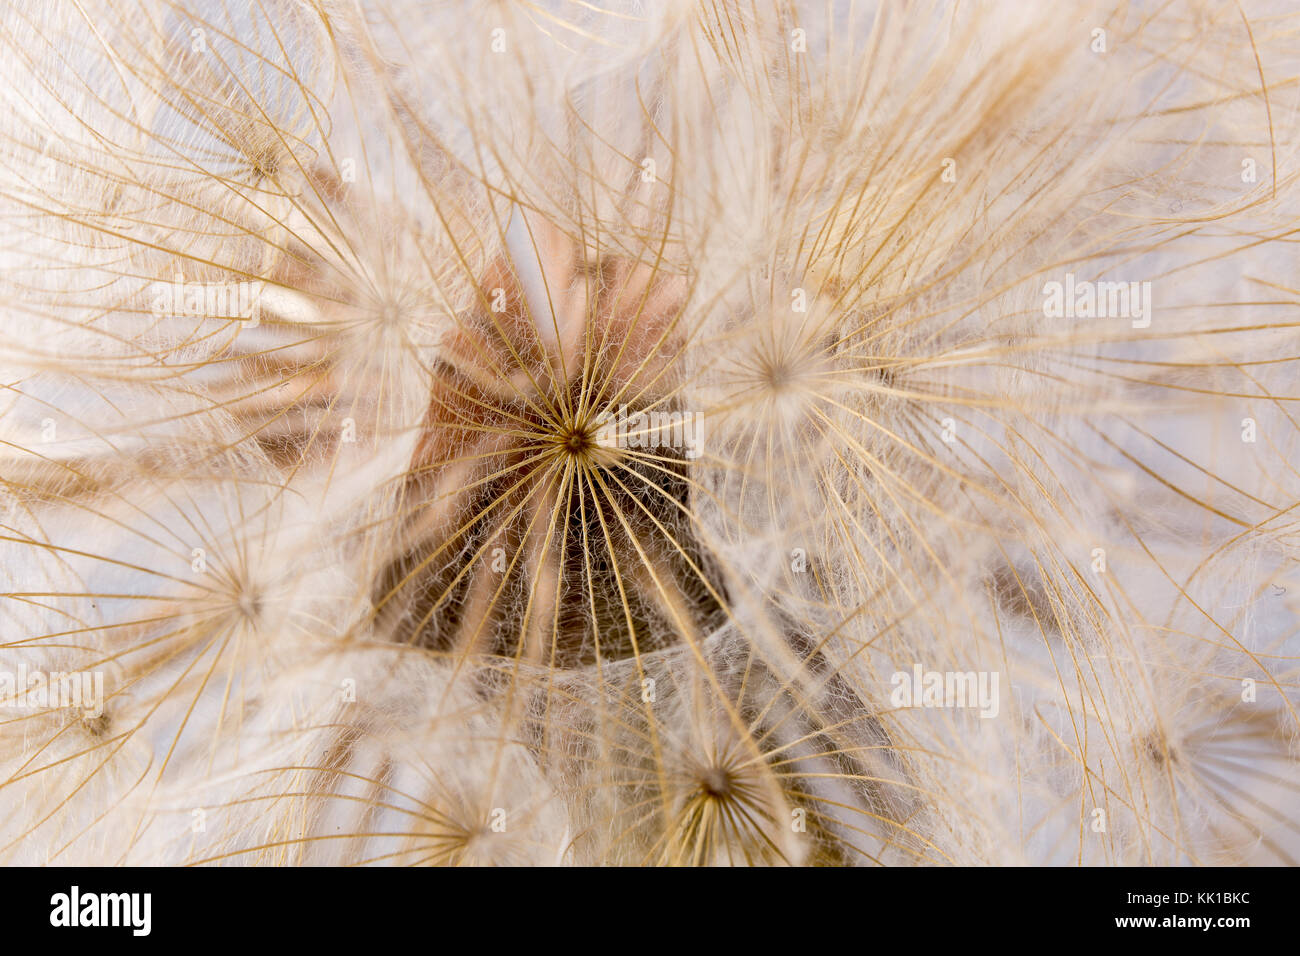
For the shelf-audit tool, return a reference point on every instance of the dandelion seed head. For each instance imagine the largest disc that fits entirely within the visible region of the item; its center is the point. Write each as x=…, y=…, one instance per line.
x=479, y=434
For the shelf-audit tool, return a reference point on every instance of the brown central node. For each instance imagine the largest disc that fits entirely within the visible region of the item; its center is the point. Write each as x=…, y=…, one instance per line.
x=575, y=440
x=716, y=782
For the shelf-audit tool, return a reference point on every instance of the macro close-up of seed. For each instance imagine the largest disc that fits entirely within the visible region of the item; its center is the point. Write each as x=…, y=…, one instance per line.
x=617, y=433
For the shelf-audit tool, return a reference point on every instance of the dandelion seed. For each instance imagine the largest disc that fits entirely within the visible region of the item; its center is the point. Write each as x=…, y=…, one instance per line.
x=535, y=433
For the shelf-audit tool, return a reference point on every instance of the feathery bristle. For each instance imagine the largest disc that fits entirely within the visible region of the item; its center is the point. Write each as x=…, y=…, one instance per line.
x=609, y=433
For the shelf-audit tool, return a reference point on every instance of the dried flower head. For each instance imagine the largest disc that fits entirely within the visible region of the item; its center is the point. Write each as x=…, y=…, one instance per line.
x=618, y=433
